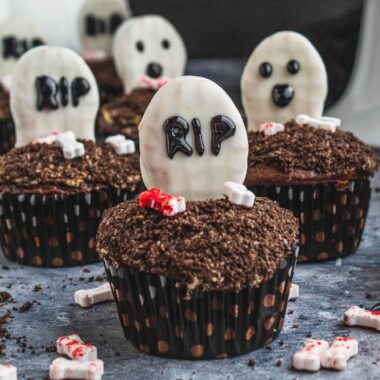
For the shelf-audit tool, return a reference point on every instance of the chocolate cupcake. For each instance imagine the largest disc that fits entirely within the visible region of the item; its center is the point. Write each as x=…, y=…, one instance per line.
x=209, y=276
x=51, y=205
x=7, y=128
x=148, y=52
x=324, y=177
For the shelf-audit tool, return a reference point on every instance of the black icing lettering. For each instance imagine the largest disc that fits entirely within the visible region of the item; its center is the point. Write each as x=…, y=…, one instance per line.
x=176, y=129
x=37, y=42
x=47, y=90
x=15, y=48
x=9, y=47
x=79, y=88
x=197, y=128
x=116, y=19
x=95, y=26
x=91, y=25
x=222, y=128
x=64, y=89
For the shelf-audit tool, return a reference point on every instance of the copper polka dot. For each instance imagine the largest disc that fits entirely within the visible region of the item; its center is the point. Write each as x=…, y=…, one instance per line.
x=346, y=216
x=301, y=258
x=209, y=329
x=216, y=304
x=250, y=333
x=331, y=208
x=91, y=243
x=343, y=199
x=178, y=332
x=355, y=243
x=222, y=356
x=77, y=255
x=269, y=300
x=268, y=341
x=8, y=238
x=250, y=308
x=235, y=311
x=351, y=230
x=334, y=228
x=150, y=322
x=53, y=242
x=164, y=312
x=320, y=236
x=288, y=286
x=24, y=233
x=6, y=251
x=280, y=324
x=137, y=325
x=37, y=261
x=144, y=348
x=69, y=237
x=302, y=218
x=162, y=346
x=93, y=212
x=339, y=247
x=355, y=200
x=125, y=320
x=37, y=242
x=303, y=239
x=281, y=306
x=323, y=256
x=190, y=315
x=128, y=298
x=50, y=220
x=20, y=253
x=57, y=262
x=197, y=350
x=82, y=226
x=317, y=215
x=119, y=295
x=281, y=287
x=268, y=324
x=229, y=334
x=359, y=213
x=362, y=223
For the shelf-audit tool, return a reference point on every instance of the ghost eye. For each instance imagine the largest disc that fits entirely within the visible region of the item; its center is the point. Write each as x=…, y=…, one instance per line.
x=140, y=46
x=293, y=66
x=165, y=44
x=265, y=69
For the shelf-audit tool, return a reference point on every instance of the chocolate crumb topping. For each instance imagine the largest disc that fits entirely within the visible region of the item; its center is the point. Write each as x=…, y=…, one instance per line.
x=213, y=245
x=304, y=148
x=123, y=114
x=42, y=168
x=5, y=110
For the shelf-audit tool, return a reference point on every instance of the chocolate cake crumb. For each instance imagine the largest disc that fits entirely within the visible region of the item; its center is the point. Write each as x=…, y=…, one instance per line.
x=251, y=363
x=42, y=167
x=279, y=363
x=5, y=298
x=5, y=267
x=295, y=326
x=368, y=296
x=37, y=288
x=25, y=307
x=212, y=245
x=302, y=147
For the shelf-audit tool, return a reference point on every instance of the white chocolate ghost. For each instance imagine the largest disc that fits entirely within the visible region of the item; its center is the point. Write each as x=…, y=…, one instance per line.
x=17, y=35
x=148, y=51
x=192, y=140
x=53, y=89
x=97, y=24
x=284, y=77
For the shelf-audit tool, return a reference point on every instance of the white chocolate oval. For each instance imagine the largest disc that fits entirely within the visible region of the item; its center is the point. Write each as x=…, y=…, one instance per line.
x=21, y=31
x=309, y=84
x=54, y=62
x=196, y=177
x=151, y=31
x=96, y=24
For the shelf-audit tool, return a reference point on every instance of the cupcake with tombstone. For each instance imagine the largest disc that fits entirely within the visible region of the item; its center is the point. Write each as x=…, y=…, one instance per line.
x=148, y=52
x=97, y=23
x=197, y=274
x=17, y=35
x=54, y=189
x=300, y=158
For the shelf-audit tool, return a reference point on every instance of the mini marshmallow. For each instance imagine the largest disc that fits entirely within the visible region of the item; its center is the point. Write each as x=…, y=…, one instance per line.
x=339, y=353
x=167, y=205
x=309, y=358
x=74, y=347
x=89, y=297
x=8, y=372
x=121, y=144
x=294, y=292
x=323, y=122
x=271, y=128
x=70, y=369
x=356, y=316
x=238, y=194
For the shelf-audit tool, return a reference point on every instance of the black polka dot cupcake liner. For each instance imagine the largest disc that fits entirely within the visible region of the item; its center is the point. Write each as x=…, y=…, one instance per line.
x=160, y=319
x=332, y=215
x=54, y=230
x=7, y=135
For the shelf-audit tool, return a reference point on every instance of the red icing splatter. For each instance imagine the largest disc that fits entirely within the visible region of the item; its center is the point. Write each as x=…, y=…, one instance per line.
x=159, y=201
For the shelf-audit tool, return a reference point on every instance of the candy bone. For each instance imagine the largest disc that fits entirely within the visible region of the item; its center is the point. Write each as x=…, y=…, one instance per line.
x=323, y=122
x=167, y=205
x=271, y=128
x=121, y=144
x=238, y=194
x=294, y=292
x=90, y=297
x=8, y=372
x=71, y=369
x=309, y=358
x=339, y=353
x=74, y=347
x=356, y=316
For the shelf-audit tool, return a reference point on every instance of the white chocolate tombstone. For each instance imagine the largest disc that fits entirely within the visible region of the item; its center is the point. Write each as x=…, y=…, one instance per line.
x=17, y=35
x=53, y=89
x=98, y=22
x=192, y=140
x=284, y=77
x=148, y=51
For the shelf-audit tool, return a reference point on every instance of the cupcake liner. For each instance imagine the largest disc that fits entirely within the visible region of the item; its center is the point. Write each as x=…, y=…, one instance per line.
x=161, y=319
x=7, y=135
x=332, y=215
x=54, y=230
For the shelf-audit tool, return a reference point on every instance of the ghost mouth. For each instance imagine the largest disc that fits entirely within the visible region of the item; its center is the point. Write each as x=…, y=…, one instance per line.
x=282, y=95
